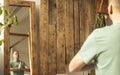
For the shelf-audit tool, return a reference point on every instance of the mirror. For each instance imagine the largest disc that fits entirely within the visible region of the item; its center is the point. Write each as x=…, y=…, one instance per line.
x=22, y=37
x=19, y=37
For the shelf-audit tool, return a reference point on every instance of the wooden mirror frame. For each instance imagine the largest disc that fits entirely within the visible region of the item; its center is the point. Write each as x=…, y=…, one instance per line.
x=32, y=38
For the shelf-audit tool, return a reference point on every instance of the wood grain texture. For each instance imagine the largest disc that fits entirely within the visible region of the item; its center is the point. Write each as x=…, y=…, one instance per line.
x=52, y=49
x=82, y=21
x=60, y=36
x=6, y=46
x=33, y=37
x=69, y=30
x=44, y=37
x=65, y=24
x=76, y=26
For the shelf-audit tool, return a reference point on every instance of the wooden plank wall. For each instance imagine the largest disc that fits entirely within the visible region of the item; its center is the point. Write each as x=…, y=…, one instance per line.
x=64, y=26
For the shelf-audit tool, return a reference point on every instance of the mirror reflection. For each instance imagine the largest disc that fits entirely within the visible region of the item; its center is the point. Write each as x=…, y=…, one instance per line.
x=19, y=42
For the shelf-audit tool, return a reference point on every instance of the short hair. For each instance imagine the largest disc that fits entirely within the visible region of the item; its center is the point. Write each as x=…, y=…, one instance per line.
x=15, y=51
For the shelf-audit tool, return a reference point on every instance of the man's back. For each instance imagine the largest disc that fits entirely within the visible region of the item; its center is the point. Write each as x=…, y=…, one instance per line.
x=108, y=57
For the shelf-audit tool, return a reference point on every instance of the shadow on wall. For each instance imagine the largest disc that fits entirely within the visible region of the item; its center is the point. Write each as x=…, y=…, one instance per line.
x=1, y=61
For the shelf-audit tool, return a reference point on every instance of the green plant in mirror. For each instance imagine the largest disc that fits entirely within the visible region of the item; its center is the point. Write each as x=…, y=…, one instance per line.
x=9, y=20
x=100, y=20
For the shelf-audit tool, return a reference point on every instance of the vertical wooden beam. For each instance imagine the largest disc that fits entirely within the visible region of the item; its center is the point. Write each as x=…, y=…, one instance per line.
x=52, y=50
x=87, y=18
x=69, y=31
x=82, y=21
x=52, y=12
x=77, y=25
x=33, y=37
x=44, y=37
x=52, y=40
x=60, y=36
x=6, y=52
x=6, y=46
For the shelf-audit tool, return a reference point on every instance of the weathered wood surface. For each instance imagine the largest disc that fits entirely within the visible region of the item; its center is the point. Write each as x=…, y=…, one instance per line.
x=44, y=37
x=60, y=36
x=64, y=26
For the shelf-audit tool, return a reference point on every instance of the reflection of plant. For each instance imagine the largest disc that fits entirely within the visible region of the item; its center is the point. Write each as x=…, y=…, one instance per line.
x=100, y=20
x=8, y=20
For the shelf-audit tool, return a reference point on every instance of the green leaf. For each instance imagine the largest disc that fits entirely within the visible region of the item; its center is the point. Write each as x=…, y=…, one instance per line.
x=0, y=10
x=7, y=14
x=1, y=41
x=15, y=20
x=7, y=21
x=1, y=24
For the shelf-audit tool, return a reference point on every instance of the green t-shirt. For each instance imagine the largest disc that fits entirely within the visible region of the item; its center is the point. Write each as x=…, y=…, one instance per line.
x=103, y=46
x=14, y=64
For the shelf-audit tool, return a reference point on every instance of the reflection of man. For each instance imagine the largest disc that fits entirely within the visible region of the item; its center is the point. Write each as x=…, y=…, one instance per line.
x=16, y=66
x=101, y=50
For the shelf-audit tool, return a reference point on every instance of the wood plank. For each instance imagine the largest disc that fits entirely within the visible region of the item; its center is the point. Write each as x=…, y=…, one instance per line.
x=87, y=18
x=60, y=36
x=77, y=25
x=93, y=14
x=6, y=52
x=52, y=50
x=52, y=40
x=44, y=37
x=82, y=21
x=52, y=69
x=52, y=12
x=69, y=31
x=6, y=46
x=33, y=37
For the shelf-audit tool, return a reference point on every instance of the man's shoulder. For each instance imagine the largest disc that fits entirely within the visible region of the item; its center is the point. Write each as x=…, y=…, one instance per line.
x=103, y=29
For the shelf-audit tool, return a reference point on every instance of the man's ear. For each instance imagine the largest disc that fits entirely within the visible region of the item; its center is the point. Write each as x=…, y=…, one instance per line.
x=111, y=9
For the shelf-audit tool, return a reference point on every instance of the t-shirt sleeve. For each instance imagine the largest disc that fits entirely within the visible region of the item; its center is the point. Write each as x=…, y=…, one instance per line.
x=89, y=49
x=24, y=64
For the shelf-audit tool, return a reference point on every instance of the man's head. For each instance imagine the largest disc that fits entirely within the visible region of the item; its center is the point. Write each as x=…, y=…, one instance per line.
x=114, y=9
x=16, y=55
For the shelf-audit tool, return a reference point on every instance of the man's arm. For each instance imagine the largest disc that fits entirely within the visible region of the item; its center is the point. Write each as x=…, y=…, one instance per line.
x=26, y=69
x=14, y=69
x=20, y=68
x=77, y=64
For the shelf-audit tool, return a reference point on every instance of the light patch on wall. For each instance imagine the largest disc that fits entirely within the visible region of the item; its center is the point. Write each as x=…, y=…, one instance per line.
x=1, y=47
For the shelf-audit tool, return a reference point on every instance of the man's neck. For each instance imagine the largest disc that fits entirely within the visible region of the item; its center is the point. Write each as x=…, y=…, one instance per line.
x=16, y=59
x=116, y=19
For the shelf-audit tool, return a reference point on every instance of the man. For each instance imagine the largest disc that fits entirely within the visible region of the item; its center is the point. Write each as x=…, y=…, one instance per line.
x=16, y=66
x=101, y=50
